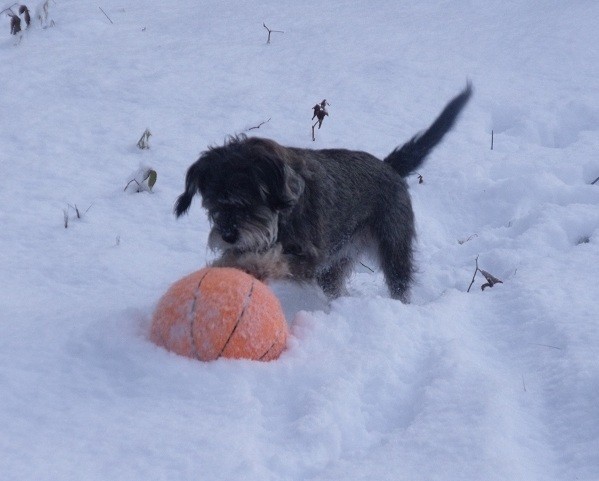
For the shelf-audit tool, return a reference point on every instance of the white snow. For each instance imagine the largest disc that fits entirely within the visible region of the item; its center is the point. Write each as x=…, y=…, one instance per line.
x=482, y=385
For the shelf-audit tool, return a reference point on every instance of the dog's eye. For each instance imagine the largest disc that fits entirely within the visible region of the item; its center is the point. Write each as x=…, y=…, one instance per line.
x=228, y=214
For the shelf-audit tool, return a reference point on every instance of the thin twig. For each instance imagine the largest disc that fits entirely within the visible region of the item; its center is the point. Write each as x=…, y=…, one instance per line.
x=270, y=31
x=8, y=8
x=595, y=181
x=547, y=345
x=463, y=241
x=106, y=15
x=473, y=275
x=129, y=183
x=369, y=268
x=259, y=125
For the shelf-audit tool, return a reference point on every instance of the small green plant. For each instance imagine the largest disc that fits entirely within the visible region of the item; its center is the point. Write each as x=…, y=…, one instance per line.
x=143, y=181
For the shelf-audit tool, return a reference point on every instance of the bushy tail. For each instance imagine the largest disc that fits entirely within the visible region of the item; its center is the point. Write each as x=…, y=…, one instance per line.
x=409, y=157
x=191, y=188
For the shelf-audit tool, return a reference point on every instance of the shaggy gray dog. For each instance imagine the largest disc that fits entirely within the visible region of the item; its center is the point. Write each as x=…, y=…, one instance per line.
x=302, y=214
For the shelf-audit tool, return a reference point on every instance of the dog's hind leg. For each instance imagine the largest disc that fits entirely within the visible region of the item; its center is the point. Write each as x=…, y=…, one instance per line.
x=396, y=263
x=394, y=235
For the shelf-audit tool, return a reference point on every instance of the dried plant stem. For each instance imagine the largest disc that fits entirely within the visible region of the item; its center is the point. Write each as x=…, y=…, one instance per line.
x=106, y=15
x=8, y=8
x=270, y=31
x=473, y=275
x=259, y=125
x=491, y=279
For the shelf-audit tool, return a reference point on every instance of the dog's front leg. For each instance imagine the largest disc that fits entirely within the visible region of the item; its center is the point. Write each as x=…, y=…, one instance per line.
x=270, y=264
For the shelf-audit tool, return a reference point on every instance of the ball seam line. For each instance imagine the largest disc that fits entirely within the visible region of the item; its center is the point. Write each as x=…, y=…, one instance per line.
x=246, y=303
x=274, y=343
x=192, y=317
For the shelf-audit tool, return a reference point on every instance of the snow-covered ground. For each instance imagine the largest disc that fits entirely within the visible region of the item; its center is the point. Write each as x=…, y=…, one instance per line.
x=500, y=384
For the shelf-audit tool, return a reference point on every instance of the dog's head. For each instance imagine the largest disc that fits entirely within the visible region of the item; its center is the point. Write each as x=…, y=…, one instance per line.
x=245, y=185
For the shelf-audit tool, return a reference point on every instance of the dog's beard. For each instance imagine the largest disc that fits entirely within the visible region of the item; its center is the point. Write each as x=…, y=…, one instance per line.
x=255, y=250
x=257, y=233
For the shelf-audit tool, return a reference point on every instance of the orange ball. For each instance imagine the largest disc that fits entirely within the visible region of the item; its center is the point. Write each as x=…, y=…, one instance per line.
x=220, y=312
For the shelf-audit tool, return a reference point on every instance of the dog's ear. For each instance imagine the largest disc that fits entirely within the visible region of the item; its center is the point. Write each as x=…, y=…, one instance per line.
x=280, y=185
x=294, y=186
x=195, y=178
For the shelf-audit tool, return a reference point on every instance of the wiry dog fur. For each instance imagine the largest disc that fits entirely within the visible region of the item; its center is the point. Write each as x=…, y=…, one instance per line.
x=283, y=212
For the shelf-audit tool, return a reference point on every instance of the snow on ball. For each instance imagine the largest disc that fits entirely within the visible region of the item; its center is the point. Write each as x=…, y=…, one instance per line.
x=220, y=312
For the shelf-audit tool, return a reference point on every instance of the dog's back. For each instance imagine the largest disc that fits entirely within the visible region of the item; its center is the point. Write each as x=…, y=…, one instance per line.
x=347, y=177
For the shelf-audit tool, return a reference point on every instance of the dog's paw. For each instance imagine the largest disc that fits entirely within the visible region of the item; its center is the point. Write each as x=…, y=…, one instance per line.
x=270, y=264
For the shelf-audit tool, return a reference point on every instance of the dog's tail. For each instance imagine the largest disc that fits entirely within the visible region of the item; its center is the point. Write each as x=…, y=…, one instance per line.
x=409, y=157
x=191, y=188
